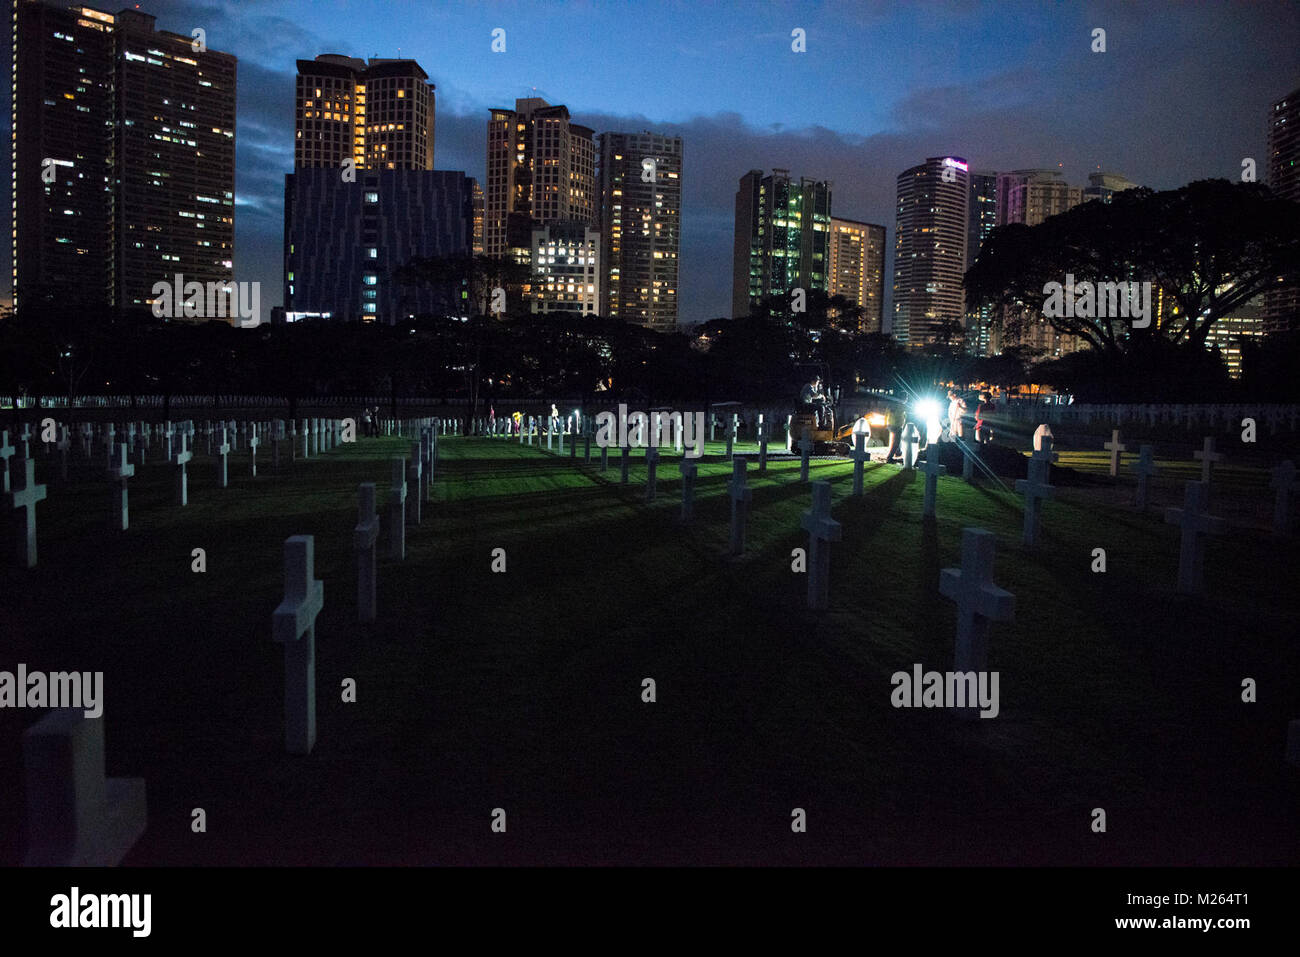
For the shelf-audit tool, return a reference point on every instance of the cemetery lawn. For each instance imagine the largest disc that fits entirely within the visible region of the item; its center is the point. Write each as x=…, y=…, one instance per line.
x=523, y=690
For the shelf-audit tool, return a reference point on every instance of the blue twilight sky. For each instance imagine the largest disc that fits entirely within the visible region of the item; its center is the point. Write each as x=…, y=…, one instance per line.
x=1181, y=92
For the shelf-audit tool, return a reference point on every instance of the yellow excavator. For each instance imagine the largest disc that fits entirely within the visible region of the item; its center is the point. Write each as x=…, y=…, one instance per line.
x=834, y=438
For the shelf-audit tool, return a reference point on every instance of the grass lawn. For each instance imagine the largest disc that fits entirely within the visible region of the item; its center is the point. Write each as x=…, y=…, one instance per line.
x=522, y=690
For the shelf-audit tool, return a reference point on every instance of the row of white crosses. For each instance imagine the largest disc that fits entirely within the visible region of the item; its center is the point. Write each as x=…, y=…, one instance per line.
x=23, y=493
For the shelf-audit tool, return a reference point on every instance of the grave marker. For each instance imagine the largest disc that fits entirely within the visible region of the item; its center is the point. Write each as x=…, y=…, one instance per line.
x=1144, y=469
x=25, y=494
x=1208, y=457
x=651, y=472
x=1196, y=523
x=1116, y=449
x=689, y=470
x=293, y=625
x=75, y=816
x=397, y=510
x=223, y=460
x=1283, y=483
x=120, y=472
x=932, y=470
x=978, y=601
x=822, y=530
x=860, y=456
x=364, y=538
x=1035, y=489
x=741, y=495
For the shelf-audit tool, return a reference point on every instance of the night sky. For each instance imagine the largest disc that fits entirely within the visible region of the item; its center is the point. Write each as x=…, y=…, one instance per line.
x=1181, y=93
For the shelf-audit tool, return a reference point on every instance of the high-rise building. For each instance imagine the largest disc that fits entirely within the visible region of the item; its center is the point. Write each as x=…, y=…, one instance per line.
x=566, y=269
x=477, y=191
x=1103, y=186
x=345, y=241
x=857, y=269
x=123, y=155
x=640, y=227
x=364, y=199
x=930, y=249
x=782, y=237
x=1029, y=197
x=541, y=169
x=981, y=331
x=379, y=115
x=1282, y=308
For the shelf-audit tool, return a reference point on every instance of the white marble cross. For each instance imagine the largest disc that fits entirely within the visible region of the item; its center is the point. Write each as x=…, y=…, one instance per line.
x=183, y=455
x=75, y=816
x=689, y=470
x=822, y=530
x=6, y=453
x=967, y=461
x=397, y=510
x=651, y=473
x=1144, y=469
x=1035, y=488
x=805, y=450
x=364, y=537
x=932, y=469
x=741, y=495
x=604, y=458
x=1208, y=457
x=414, y=481
x=1196, y=523
x=1283, y=483
x=860, y=457
x=62, y=445
x=24, y=494
x=1116, y=449
x=910, y=445
x=294, y=625
x=223, y=459
x=623, y=466
x=120, y=472
x=253, y=443
x=978, y=601
x=731, y=437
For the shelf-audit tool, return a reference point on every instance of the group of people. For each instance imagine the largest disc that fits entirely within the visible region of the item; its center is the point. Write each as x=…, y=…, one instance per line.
x=954, y=425
x=370, y=422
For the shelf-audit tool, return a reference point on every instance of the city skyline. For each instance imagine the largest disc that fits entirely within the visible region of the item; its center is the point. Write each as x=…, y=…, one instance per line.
x=1045, y=102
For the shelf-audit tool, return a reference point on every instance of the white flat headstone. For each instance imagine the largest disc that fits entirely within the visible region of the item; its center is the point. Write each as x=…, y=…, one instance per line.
x=294, y=625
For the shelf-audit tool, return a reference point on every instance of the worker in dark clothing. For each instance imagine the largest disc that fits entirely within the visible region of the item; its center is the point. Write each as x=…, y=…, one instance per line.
x=814, y=400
